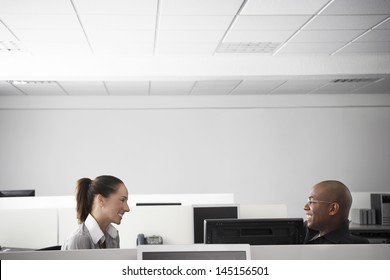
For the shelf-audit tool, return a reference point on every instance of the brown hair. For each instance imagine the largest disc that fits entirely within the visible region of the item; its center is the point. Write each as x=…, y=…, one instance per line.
x=87, y=189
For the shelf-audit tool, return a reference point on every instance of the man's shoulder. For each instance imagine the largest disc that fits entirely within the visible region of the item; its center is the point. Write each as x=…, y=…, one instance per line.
x=354, y=239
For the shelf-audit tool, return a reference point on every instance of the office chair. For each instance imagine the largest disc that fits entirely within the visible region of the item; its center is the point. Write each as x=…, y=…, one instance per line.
x=51, y=248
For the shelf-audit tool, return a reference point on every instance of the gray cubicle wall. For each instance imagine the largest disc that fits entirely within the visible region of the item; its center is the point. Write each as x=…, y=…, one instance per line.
x=263, y=149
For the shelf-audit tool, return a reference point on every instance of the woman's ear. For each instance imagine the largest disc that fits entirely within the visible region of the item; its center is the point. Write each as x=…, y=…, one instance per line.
x=100, y=200
x=334, y=208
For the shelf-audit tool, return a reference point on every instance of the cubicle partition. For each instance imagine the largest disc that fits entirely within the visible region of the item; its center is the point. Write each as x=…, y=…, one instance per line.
x=260, y=252
x=36, y=223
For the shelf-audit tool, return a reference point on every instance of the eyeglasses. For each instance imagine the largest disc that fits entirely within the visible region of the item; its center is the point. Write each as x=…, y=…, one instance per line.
x=311, y=201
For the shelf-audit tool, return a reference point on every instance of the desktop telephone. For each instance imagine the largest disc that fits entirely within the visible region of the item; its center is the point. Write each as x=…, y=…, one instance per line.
x=150, y=240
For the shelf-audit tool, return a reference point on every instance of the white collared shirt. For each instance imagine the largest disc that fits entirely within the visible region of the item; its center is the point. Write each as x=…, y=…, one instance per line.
x=89, y=236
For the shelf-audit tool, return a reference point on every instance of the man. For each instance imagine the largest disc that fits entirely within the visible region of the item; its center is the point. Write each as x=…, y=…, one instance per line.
x=327, y=213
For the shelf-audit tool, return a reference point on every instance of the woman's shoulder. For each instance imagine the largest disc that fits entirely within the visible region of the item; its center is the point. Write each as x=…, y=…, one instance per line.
x=79, y=239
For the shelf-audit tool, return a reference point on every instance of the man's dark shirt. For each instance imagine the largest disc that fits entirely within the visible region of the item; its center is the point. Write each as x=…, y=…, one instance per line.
x=339, y=236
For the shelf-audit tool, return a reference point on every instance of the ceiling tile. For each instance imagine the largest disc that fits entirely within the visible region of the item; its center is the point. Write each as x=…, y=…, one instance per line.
x=171, y=87
x=50, y=35
x=190, y=36
x=269, y=22
x=367, y=47
x=344, y=22
x=121, y=49
x=41, y=21
x=61, y=49
x=194, y=22
x=358, y=7
x=117, y=7
x=300, y=86
x=385, y=24
x=5, y=34
x=120, y=36
x=190, y=49
x=122, y=22
x=200, y=7
x=326, y=36
x=82, y=88
x=41, y=88
x=210, y=92
x=258, y=36
x=128, y=88
x=6, y=89
x=283, y=7
x=257, y=87
x=378, y=35
x=217, y=87
x=217, y=84
x=169, y=92
x=36, y=7
x=381, y=86
x=310, y=48
x=194, y=31
x=341, y=87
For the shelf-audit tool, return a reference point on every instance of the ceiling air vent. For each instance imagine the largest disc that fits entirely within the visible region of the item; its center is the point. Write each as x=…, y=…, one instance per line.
x=360, y=80
x=24, y=82
x=248, y=47
x=10, y=46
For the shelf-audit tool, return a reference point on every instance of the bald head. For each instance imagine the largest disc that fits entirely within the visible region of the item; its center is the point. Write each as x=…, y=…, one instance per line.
x=336, y=191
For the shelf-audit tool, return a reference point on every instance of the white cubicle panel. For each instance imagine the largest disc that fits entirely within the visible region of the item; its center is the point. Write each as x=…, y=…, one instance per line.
x=37, y=202
x=173, y=223
x=50, y=220
x=184, y=199
x=321, y=252
x=70, y=201
x=67, y=223
x=262, y=211
x=28, y=228
x=263, y=252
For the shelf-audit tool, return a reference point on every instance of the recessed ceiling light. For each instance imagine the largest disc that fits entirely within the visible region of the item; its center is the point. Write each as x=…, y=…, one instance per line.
x=13, y=82
x=248, y=47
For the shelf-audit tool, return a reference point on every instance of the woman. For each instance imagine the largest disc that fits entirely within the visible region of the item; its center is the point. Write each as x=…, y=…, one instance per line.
x=100, y=202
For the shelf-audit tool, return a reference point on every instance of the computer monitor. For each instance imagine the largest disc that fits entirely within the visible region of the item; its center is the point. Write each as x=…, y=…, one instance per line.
x=275, y=231
x=203, y=212
x=157, y=203
x=16, y=193
x=194, y=252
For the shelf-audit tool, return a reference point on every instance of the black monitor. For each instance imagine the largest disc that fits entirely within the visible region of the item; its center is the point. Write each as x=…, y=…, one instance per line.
x=203, y=212
x=157, y=203
x=16, y=193
x=275, y=231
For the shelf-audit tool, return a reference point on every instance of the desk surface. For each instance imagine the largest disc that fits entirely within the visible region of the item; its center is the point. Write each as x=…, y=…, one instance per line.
x=260, y=252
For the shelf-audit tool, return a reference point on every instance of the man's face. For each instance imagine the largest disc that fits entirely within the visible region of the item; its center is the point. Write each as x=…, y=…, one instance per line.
x=317, y=209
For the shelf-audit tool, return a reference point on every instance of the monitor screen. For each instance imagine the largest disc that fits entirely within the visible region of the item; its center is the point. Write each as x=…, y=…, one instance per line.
x=275, y=231
x=203, y=212
x=157, y=203
x=16, y=193
x=194, y=252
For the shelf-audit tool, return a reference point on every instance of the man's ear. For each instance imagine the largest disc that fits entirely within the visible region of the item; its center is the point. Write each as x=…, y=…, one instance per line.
x=334, y=208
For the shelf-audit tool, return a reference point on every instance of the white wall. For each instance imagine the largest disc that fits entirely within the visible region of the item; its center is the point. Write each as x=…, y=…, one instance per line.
x=264, y=150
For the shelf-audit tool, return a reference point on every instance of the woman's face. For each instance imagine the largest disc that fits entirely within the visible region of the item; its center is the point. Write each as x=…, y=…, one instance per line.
x=115, y=206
